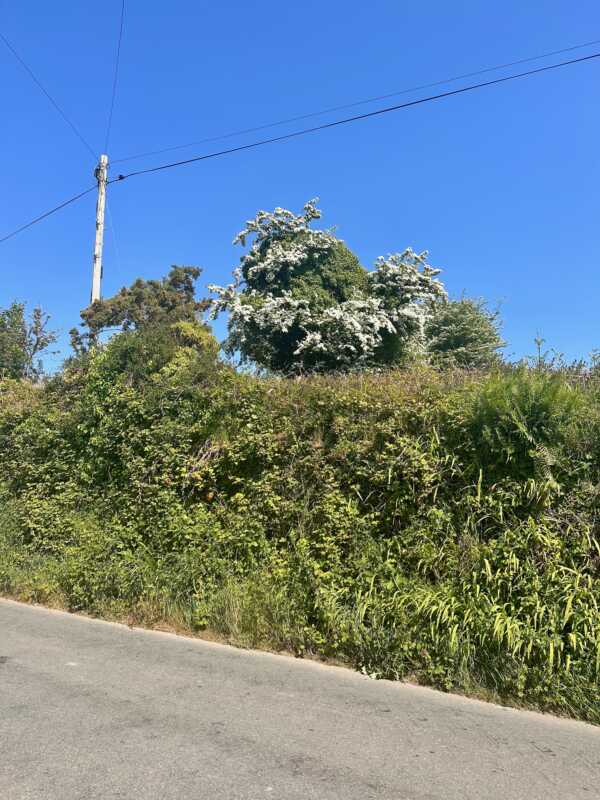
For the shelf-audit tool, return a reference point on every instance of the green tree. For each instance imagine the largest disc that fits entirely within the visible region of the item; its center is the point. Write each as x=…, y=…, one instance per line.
x=145, y=304
x=22, y=341
x=464, y=333
x=156, y=319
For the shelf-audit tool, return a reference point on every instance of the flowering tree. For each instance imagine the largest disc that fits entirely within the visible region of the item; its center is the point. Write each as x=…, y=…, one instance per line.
x=301, y=301
x=407, y=287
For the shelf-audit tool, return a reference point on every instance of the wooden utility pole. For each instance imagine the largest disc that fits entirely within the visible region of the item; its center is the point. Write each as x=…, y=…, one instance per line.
x=101, y=174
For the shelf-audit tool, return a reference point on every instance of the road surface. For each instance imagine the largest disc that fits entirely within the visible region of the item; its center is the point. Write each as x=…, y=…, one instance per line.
x=90, y=709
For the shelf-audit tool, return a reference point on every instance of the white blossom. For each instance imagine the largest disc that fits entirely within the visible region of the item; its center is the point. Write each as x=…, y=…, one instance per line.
x=282, y=242
x=277, y=224
x=407, y=285
x=402, y=292
x=350, y=332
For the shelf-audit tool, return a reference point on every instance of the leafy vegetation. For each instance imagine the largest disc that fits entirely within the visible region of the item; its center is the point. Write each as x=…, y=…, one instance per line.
x=463, y=333
x=23, y=341
x=435, y=525
x=301, y=302
x=438, y=521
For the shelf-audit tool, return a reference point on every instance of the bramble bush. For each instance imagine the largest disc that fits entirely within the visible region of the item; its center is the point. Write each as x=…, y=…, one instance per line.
x=437, y=521
x=441, y=526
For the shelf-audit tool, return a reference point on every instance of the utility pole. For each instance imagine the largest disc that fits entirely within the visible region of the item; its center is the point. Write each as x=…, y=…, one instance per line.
x=101, y=174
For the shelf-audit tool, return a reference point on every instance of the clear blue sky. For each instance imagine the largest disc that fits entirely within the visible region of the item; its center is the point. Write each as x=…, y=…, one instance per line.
x=500, y=185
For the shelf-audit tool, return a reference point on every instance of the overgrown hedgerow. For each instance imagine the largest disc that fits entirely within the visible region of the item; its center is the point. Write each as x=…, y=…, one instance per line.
x=442, y=526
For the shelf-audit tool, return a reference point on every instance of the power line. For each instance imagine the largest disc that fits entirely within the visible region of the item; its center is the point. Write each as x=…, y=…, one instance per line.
x=48, y=213
x=357, y=103
x=356, y=118
x=378, y=112
x=116, y=75
x=38, y=83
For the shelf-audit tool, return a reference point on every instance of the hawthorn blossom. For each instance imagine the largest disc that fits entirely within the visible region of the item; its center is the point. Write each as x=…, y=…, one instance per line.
x=270, y=324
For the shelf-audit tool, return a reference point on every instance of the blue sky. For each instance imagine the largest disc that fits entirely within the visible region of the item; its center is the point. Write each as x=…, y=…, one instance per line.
x=500, y=185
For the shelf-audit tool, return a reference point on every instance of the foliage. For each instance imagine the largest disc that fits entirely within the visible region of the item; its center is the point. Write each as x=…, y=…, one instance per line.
x=523, y=423
x=464, y=333
x=22, y=341
x=145, y=305
x=438, y=525
x=157, y=320
x=301, y=301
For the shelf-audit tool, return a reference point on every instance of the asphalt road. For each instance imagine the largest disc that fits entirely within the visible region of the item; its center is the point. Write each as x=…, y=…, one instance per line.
x=90, y=710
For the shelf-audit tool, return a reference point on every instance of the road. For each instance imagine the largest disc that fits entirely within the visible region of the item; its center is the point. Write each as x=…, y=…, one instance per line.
x=90, y=709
